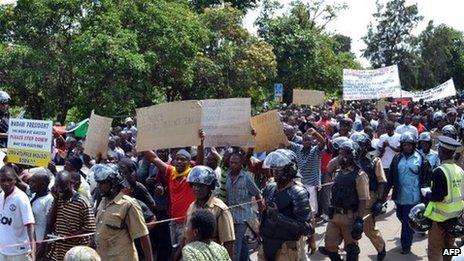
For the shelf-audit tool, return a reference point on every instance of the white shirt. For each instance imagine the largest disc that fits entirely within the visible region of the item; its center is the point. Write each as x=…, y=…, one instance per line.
x=16, y=213
x=388, y=155
x=40, y=208
x=407, y=128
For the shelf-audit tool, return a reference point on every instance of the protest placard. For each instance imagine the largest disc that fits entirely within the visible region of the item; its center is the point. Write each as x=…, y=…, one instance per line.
x=308, y=97
x=96, y=141
x=270, y=133
x=227, y=122
x=443, y=90
x=29, y=142
x=168, y=125
x=371, y=84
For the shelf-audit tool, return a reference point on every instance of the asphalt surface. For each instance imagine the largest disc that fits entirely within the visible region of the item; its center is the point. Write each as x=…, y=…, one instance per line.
x=390, y=227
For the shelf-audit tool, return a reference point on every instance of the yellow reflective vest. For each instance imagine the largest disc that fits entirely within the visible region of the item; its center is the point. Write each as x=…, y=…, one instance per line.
x=453, y=203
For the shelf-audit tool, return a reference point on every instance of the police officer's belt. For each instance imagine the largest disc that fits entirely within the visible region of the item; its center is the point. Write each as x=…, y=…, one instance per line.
x=341, y=211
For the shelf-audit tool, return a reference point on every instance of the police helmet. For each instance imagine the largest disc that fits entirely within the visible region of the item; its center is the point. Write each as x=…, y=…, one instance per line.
x=4, y=97
x=438, y=116
x=107, y=172
x=337, y=142
x=449, y=130
x=417, y=220
x=362, y=139
x=281, y=159
x=425, y=136
x=351, y=147
x=202, y=175
x=408, y=137
x=455, y=226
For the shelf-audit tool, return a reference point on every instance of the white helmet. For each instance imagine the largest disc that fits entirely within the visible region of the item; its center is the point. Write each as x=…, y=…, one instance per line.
x=4, y=97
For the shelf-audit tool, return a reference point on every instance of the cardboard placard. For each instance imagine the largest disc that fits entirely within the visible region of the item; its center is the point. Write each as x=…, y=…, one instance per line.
x=227, y=122
x=308, y=97
x=168, y=125
x=96, y=141
x=29, y=142
x=270, y=133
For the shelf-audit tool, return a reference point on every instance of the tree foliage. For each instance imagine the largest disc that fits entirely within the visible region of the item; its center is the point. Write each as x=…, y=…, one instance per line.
x=306, y=57
x=390, y=41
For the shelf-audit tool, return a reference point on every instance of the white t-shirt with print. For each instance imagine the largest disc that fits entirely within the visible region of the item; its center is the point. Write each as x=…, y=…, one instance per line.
x=15, y=214
x=388, y=155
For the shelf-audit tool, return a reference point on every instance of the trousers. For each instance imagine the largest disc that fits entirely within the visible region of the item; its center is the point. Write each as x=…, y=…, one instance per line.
x=370, y=230
x=339, y=229
x=438, y=239
x=289, y=251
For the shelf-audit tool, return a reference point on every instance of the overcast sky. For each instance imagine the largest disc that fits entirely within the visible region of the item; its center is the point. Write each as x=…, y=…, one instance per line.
x=353, y=21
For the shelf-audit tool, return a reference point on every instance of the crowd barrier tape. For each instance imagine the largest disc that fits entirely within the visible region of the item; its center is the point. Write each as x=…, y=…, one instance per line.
x=58, y=238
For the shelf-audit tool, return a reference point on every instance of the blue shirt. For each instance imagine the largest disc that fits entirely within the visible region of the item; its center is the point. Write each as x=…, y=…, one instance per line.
x=309, y=163
x=433, y=159
x=241, y=190
x=408, y=179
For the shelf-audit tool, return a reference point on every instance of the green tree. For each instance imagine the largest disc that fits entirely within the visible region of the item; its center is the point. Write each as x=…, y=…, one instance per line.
x=242, y=5
x=441, y=49
x=305, y=53
x=390, y=41
x=37, y=64
x=234, y=63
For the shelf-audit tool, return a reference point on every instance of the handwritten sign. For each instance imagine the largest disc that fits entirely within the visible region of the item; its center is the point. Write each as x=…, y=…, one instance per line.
x=308, y=97
x=96, y=141
x=29, y=142
x=270, y=133
x=443, y=90
x=371, y=84
x=168, y=125
x=227, y=122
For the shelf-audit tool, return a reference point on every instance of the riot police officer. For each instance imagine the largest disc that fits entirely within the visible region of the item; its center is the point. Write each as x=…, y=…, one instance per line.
x=350, y=193
x=439, y=120
x=4, y=118
x=445, y=201
x=377, y=181
x=288, y=213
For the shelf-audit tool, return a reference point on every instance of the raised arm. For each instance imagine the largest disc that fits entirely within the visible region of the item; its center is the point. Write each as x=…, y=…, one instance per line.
x=151, y=157
x=201, y=148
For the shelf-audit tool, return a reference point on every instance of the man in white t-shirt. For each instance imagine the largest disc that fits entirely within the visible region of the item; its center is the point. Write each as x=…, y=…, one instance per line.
x=16, y=219
x=388, y=146
x=41, y=202
x=407, y=127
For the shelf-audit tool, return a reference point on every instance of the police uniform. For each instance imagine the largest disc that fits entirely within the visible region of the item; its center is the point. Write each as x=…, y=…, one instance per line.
x=224, y=222
x=348, y=189
x=282, y=237
x=119, y=222
x=374, y=170
x=445, y=201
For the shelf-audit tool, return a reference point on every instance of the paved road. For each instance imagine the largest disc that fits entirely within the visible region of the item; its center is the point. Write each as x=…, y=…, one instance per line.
x=391, y=231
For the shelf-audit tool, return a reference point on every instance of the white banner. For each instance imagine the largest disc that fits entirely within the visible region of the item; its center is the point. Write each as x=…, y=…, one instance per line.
x=441, y=91
x=371, y=84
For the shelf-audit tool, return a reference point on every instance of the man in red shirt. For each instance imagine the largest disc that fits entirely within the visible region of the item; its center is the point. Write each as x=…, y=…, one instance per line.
x=326, y=123
x=416, y=123
x=174, y=178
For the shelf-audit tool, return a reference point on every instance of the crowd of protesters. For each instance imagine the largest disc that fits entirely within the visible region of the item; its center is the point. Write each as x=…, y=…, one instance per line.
x=201, y=203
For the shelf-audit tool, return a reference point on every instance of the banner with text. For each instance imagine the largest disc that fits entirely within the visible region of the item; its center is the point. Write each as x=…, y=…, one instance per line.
x=443, y=90
x=371, y=84
x=96, y=141
x=308, y=97
x=270, y=133
x=30, y=142
x=227, y=122
x=168, y=125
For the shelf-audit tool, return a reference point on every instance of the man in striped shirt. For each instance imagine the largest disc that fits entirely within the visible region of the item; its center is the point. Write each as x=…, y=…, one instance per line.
x=309, y=162
x=70, y=215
